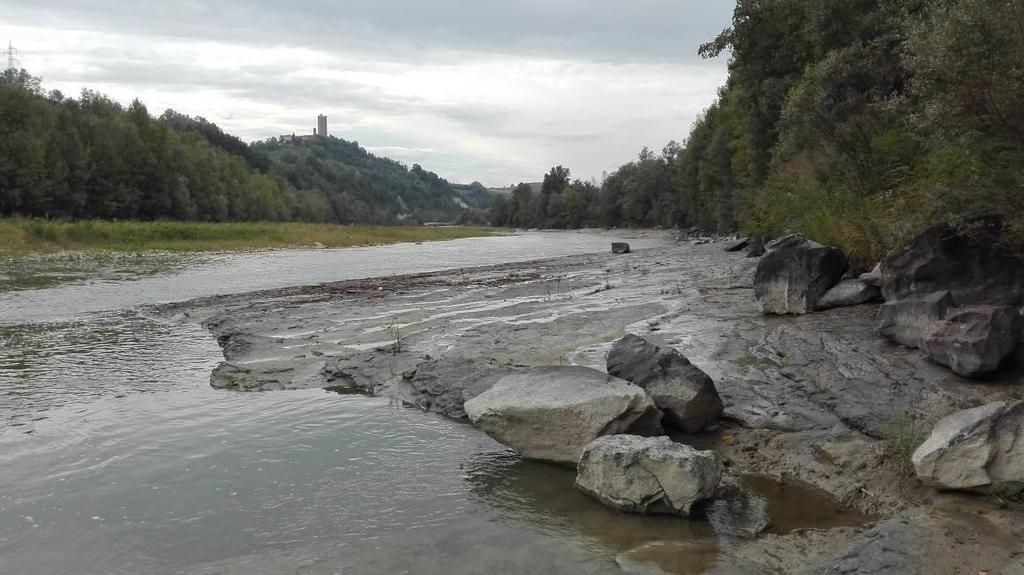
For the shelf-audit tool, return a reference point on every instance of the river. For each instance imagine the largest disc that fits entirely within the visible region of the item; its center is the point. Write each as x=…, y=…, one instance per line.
x=116, y=455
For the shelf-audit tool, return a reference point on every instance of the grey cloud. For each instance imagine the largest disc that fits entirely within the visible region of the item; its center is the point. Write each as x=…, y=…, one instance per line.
x=597, y=30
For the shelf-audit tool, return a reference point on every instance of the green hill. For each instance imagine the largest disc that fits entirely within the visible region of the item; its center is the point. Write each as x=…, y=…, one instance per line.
x=92, y=158
x=359, y=186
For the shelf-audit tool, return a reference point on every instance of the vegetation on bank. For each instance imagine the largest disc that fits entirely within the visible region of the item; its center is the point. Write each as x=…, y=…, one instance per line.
x=19, y=237
x=90, y=157
x=857, y=122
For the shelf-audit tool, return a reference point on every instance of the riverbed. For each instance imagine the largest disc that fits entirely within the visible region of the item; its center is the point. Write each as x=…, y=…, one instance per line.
x=117, y=455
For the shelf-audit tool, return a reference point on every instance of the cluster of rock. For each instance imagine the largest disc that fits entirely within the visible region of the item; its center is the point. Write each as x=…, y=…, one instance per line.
x=611, y=425
x=799, y=276
x=954, y=294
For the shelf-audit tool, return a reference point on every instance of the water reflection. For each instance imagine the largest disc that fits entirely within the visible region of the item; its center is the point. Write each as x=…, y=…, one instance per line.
x=34, y=274
x=541, y=497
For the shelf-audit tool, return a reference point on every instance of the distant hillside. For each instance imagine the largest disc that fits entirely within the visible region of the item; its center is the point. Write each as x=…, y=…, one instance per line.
x=92, y=158
x=476, y=195
x=359, y=186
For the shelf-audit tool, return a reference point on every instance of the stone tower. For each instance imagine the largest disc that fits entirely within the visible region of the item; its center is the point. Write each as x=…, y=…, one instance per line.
x=321, y=125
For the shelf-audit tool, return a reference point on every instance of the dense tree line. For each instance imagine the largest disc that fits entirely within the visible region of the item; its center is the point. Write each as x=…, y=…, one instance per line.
x=90, y=157
x=855, y=121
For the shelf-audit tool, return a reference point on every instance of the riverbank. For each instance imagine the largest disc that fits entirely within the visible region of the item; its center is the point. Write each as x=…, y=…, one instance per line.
x=20, y=238
x=817, y=399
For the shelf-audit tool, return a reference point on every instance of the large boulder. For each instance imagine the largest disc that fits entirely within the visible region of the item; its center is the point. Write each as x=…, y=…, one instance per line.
x=685, y=394
x=907, y=321
x=620, y=248
x=980, y=449
x=848, y=293
x=648, y=474
x=974, y=265
x=552, y=413
x=793, y=276
x=974, y=340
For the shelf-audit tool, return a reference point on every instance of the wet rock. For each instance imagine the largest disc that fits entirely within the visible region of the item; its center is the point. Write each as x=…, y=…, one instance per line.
x=552, y=413
x=849, y=292
x=685, y=394
x=648, y=474
x=670, y=556
x=892, y=547
x=975, y=449
x=267, y=375
x=620, y=248
x=756, y=248
x=930, y=540
x=973, y=341
x=738, y=246
x=444, y=385
x=793, y=276
x=907, y=321
x=368, y=371
x=973, y=265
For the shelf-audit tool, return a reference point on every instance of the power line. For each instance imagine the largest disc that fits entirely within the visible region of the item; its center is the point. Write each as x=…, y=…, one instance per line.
x=10, y=53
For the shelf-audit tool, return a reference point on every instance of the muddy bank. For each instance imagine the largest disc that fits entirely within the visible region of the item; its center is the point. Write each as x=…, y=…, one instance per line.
x=820, y=399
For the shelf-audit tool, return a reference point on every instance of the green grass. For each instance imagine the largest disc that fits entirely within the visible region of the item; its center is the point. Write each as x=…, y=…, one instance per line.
x=903, y=436
x=24, y=237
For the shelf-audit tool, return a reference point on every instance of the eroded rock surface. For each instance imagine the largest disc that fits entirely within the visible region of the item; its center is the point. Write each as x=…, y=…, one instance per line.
x=684, y=393
x=793, y=276
x=648, y=474
x=552, y=413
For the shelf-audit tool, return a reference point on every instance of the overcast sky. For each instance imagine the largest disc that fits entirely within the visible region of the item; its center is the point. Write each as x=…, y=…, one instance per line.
x=490, y=90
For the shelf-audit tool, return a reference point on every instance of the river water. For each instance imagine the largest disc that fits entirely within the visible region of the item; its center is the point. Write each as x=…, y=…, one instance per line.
x=116, y=456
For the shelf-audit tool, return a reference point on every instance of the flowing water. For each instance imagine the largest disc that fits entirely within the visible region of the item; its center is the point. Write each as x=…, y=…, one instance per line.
x=116, y=456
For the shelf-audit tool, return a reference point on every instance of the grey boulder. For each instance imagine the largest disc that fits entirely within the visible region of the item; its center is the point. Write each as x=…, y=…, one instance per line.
x=980, y=449
x=973, y=264
x=648, y=474
x=792, y=277
x=849, y=293
x=552, y=413
x=685, y=394
x=620, y=248
x=907, y=321
x=974, y=340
